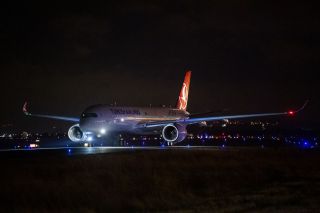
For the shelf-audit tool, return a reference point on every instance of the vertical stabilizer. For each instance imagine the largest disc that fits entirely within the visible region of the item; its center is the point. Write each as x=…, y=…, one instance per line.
x=183, y=97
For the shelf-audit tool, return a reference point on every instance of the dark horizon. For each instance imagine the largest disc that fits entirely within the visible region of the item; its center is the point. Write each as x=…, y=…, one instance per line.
x=245, y=56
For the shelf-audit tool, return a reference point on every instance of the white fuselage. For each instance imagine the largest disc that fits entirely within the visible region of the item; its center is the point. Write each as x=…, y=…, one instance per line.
x=101, y=119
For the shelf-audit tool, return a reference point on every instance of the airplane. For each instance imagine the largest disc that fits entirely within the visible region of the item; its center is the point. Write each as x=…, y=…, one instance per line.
x=106, y=121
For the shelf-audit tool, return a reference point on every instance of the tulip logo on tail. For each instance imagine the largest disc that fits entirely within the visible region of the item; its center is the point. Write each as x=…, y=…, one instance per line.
x=25, y=110
x=183, y=97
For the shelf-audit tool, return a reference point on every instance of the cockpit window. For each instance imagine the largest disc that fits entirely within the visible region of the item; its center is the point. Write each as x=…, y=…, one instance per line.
x=89, y=115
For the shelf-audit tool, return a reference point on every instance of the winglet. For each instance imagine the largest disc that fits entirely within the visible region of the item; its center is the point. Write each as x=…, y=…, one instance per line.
x=24, y=109
x=304, y=106
x=293, y=112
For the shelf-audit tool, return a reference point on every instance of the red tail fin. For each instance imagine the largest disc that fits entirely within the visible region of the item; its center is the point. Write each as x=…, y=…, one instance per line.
x=183, y=97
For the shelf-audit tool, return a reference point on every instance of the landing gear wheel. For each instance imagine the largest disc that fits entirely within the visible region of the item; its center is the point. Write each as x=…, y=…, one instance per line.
x=170, y=143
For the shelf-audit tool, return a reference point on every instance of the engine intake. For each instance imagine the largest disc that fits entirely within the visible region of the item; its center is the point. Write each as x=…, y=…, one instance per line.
x=174, y=133
x=76, y=134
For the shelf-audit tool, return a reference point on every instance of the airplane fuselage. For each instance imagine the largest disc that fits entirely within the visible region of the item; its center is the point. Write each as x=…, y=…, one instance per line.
x=101, y=119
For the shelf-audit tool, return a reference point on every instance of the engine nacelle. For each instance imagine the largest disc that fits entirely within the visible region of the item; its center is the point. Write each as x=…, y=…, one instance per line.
x=174, y=133
x=76, y=134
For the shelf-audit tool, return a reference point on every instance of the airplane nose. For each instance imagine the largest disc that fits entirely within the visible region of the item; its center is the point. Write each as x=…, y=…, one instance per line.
x=91, y=125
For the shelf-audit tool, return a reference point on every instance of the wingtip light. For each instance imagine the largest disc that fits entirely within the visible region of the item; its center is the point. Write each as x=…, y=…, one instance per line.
x=291, y=113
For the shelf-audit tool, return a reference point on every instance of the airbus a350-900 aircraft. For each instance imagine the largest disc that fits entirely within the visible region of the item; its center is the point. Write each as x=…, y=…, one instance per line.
x=104, y=121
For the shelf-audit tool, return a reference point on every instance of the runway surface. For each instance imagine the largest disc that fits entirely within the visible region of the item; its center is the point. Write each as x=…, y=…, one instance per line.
x=148, y=179
x=71, y=151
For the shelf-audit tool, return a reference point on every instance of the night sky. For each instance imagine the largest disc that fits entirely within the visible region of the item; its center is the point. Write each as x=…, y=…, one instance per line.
x=246, y=56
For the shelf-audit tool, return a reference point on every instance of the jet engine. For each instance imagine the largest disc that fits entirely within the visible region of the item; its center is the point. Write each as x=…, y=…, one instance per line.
x=76, y=134
x=174, y=133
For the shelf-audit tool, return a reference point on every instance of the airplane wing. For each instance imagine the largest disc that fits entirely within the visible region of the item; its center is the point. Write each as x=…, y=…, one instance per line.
x=69, y=119
x=191, y=120
x=209, y=113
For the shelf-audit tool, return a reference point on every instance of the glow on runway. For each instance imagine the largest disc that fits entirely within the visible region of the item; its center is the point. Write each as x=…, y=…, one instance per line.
x=108, y=149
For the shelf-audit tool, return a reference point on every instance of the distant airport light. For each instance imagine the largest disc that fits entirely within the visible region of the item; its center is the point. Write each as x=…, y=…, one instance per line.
x=89, y=138
x=122, y=119
x=103, y=131
x=32, y=145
